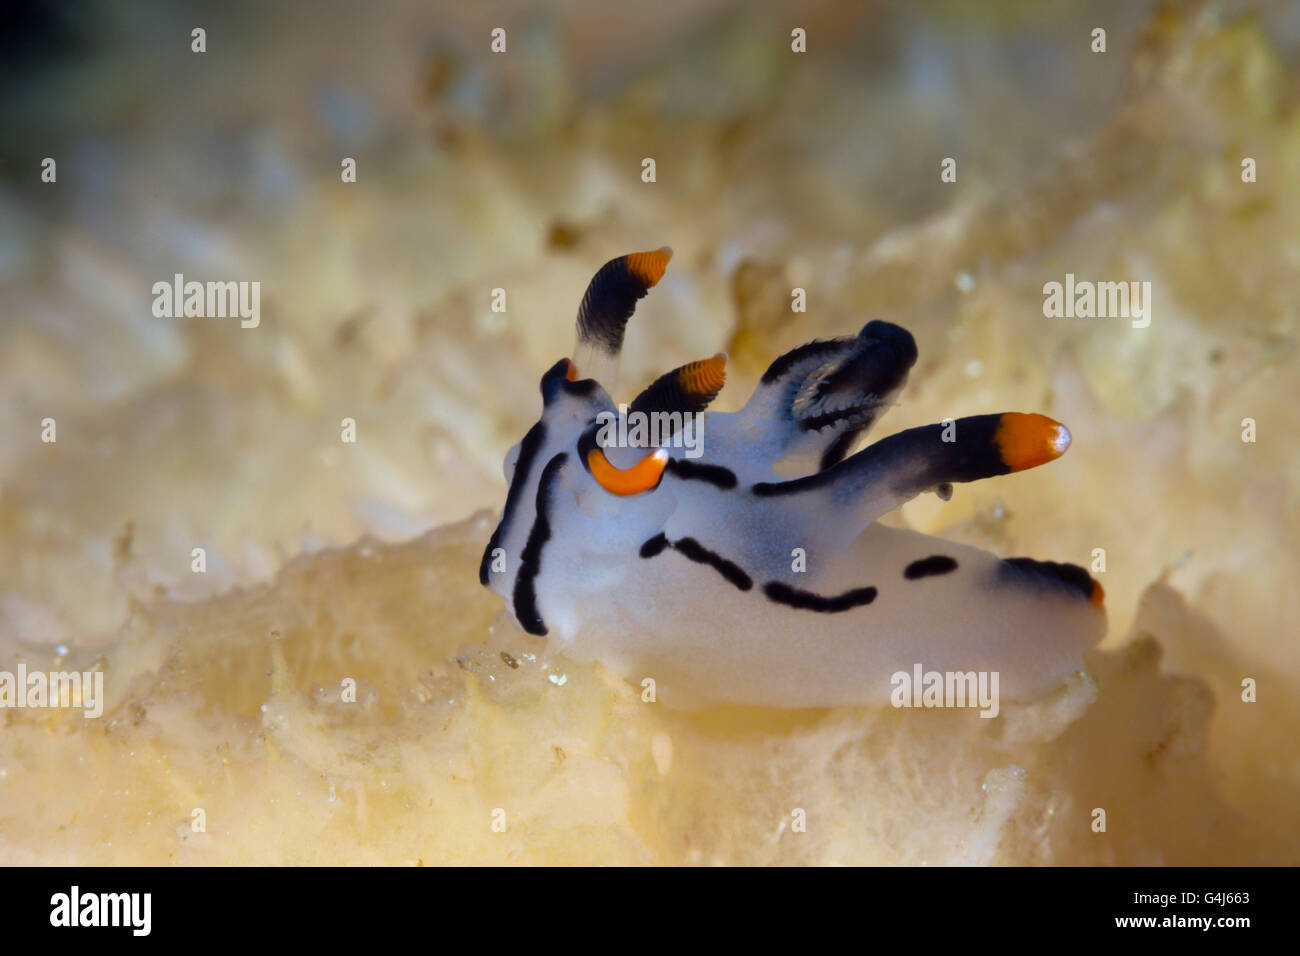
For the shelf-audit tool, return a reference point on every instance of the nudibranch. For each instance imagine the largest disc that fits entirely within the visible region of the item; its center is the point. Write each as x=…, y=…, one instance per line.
x=756, y=572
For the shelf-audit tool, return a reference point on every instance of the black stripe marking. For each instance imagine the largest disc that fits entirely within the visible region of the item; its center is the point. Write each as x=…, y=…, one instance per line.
x=528, y=449
x=654, y=546
x=817, y=349
x=972, y=456
x=935, y=564
x=552, y=380
x=808, y=601
x=774, y=489
x=837, y=449
x=530, y=561
x=687, y=470
x=856, y=417
x=1069, y=576
x=582, y=388
x=692, y=549
x=702, y=555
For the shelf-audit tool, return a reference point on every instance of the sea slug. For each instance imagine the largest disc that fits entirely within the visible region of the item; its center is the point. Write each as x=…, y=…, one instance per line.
x=748, y=565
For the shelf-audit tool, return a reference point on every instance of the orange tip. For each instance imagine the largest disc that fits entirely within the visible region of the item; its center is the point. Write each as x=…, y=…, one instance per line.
x=642, y=476
x=649, y=266
x=1027, y=441
x=705, y=377
x=571, y=372
x=1098, y=596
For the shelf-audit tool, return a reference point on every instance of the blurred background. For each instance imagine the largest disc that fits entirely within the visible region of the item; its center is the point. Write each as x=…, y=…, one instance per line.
x=521, y=171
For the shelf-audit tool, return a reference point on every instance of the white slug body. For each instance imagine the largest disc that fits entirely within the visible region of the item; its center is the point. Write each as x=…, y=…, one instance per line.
x=727, y=580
